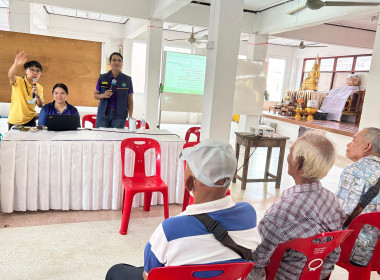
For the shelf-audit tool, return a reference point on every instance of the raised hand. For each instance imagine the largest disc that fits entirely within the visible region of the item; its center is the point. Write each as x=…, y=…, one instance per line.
x=21, y=58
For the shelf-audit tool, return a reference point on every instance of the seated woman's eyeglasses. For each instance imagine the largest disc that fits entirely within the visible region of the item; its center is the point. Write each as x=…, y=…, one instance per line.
x=117, y=60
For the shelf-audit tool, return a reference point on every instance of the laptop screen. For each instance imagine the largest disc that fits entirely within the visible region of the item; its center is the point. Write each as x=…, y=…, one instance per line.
x=62, y=122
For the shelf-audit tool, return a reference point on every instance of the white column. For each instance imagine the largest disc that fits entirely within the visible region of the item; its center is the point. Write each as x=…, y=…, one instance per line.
x=371, y=113
x=127, y=54
x=257, y=50
x=223, y=48
x=153, y=66
x=20, y=18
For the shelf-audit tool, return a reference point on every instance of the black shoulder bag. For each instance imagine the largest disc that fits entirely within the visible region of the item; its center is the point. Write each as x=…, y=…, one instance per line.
x=221, y=235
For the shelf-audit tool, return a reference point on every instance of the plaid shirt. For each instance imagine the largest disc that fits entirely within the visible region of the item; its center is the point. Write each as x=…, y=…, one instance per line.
x=355, y=180
x=302, y=211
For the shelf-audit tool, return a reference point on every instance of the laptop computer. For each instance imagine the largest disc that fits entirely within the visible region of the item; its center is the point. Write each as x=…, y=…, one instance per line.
x=62, y=122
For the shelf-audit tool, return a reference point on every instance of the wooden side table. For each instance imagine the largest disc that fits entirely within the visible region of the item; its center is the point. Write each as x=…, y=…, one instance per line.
x=249, y=141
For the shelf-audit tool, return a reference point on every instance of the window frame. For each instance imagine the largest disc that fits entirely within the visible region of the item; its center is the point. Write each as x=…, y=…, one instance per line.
x=334, y=71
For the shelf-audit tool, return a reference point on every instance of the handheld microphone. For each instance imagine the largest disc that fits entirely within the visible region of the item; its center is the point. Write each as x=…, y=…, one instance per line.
x=113, y=84
x=34, y=84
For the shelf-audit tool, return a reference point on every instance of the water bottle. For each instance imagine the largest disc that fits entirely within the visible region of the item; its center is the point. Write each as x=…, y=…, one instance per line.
x=143, y=123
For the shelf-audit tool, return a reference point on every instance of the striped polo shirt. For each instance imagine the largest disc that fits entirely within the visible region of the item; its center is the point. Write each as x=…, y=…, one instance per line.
x=184, y=240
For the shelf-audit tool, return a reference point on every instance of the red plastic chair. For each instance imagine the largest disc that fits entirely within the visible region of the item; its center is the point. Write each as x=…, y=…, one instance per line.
x=315, y=253
x=196, y=130
x=186, y=194
x=357, y=272
x=140, y=182
x=138, y=124
x=230, y=271
x=89, y=118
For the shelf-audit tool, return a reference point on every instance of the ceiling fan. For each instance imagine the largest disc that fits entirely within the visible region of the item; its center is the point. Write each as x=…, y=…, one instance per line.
x=302, y=45
x=317, y=4
x=192, y=39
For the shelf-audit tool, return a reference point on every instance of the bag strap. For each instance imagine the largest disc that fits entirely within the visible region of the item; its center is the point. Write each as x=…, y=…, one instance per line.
x=364, y=201
x=222, y=236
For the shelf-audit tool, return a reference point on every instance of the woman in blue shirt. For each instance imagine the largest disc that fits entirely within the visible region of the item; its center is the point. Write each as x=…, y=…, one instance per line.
x=59, y=106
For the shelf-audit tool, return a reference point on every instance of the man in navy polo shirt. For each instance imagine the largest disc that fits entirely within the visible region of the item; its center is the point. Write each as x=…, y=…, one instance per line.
x=115, y=92
x=183, y=239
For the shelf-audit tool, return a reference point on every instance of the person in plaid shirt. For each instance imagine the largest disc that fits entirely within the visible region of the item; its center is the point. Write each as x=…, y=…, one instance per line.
x=355, y=180
x=303, y=210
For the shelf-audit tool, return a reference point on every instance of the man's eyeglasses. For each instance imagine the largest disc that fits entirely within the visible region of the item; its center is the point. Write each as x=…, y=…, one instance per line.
x=34, y=70
x=117, y=60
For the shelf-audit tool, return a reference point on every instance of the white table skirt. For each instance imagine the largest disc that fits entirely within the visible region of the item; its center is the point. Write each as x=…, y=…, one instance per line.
x=75, y=170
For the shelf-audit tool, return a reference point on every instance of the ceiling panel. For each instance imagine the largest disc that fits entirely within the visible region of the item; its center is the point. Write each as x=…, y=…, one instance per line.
x=368, y=22
x=84, y=14
x=255, y=5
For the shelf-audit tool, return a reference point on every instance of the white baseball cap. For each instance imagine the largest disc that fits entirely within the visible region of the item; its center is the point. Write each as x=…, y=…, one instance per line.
x=210, y=161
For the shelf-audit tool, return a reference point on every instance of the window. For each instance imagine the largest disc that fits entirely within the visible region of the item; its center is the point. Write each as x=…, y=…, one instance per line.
x=344, y=64
x=275, y=78
x=334, y=70
x=327, y=64
x=138, y=66
x=363, y=63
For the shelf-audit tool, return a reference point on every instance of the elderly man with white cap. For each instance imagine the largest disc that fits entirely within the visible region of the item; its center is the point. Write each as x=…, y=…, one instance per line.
x=185, y=239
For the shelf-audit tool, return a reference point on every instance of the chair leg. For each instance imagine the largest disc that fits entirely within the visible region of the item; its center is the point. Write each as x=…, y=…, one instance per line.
x=122, y=207
x=166, y=203
x=147, y=200
x=127, y=207
x=186, y=198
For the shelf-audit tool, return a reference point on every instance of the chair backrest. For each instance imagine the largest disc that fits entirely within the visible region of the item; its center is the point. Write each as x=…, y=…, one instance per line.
x=138, y=124
x=140, y=146
x=315, y=253
x=193, y=130
x=226, y=271
x=356, y=225
x=89, y=118
x=188, y=145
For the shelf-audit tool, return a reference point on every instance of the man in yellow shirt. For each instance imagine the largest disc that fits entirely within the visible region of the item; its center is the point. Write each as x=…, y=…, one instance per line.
x=26, y=92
